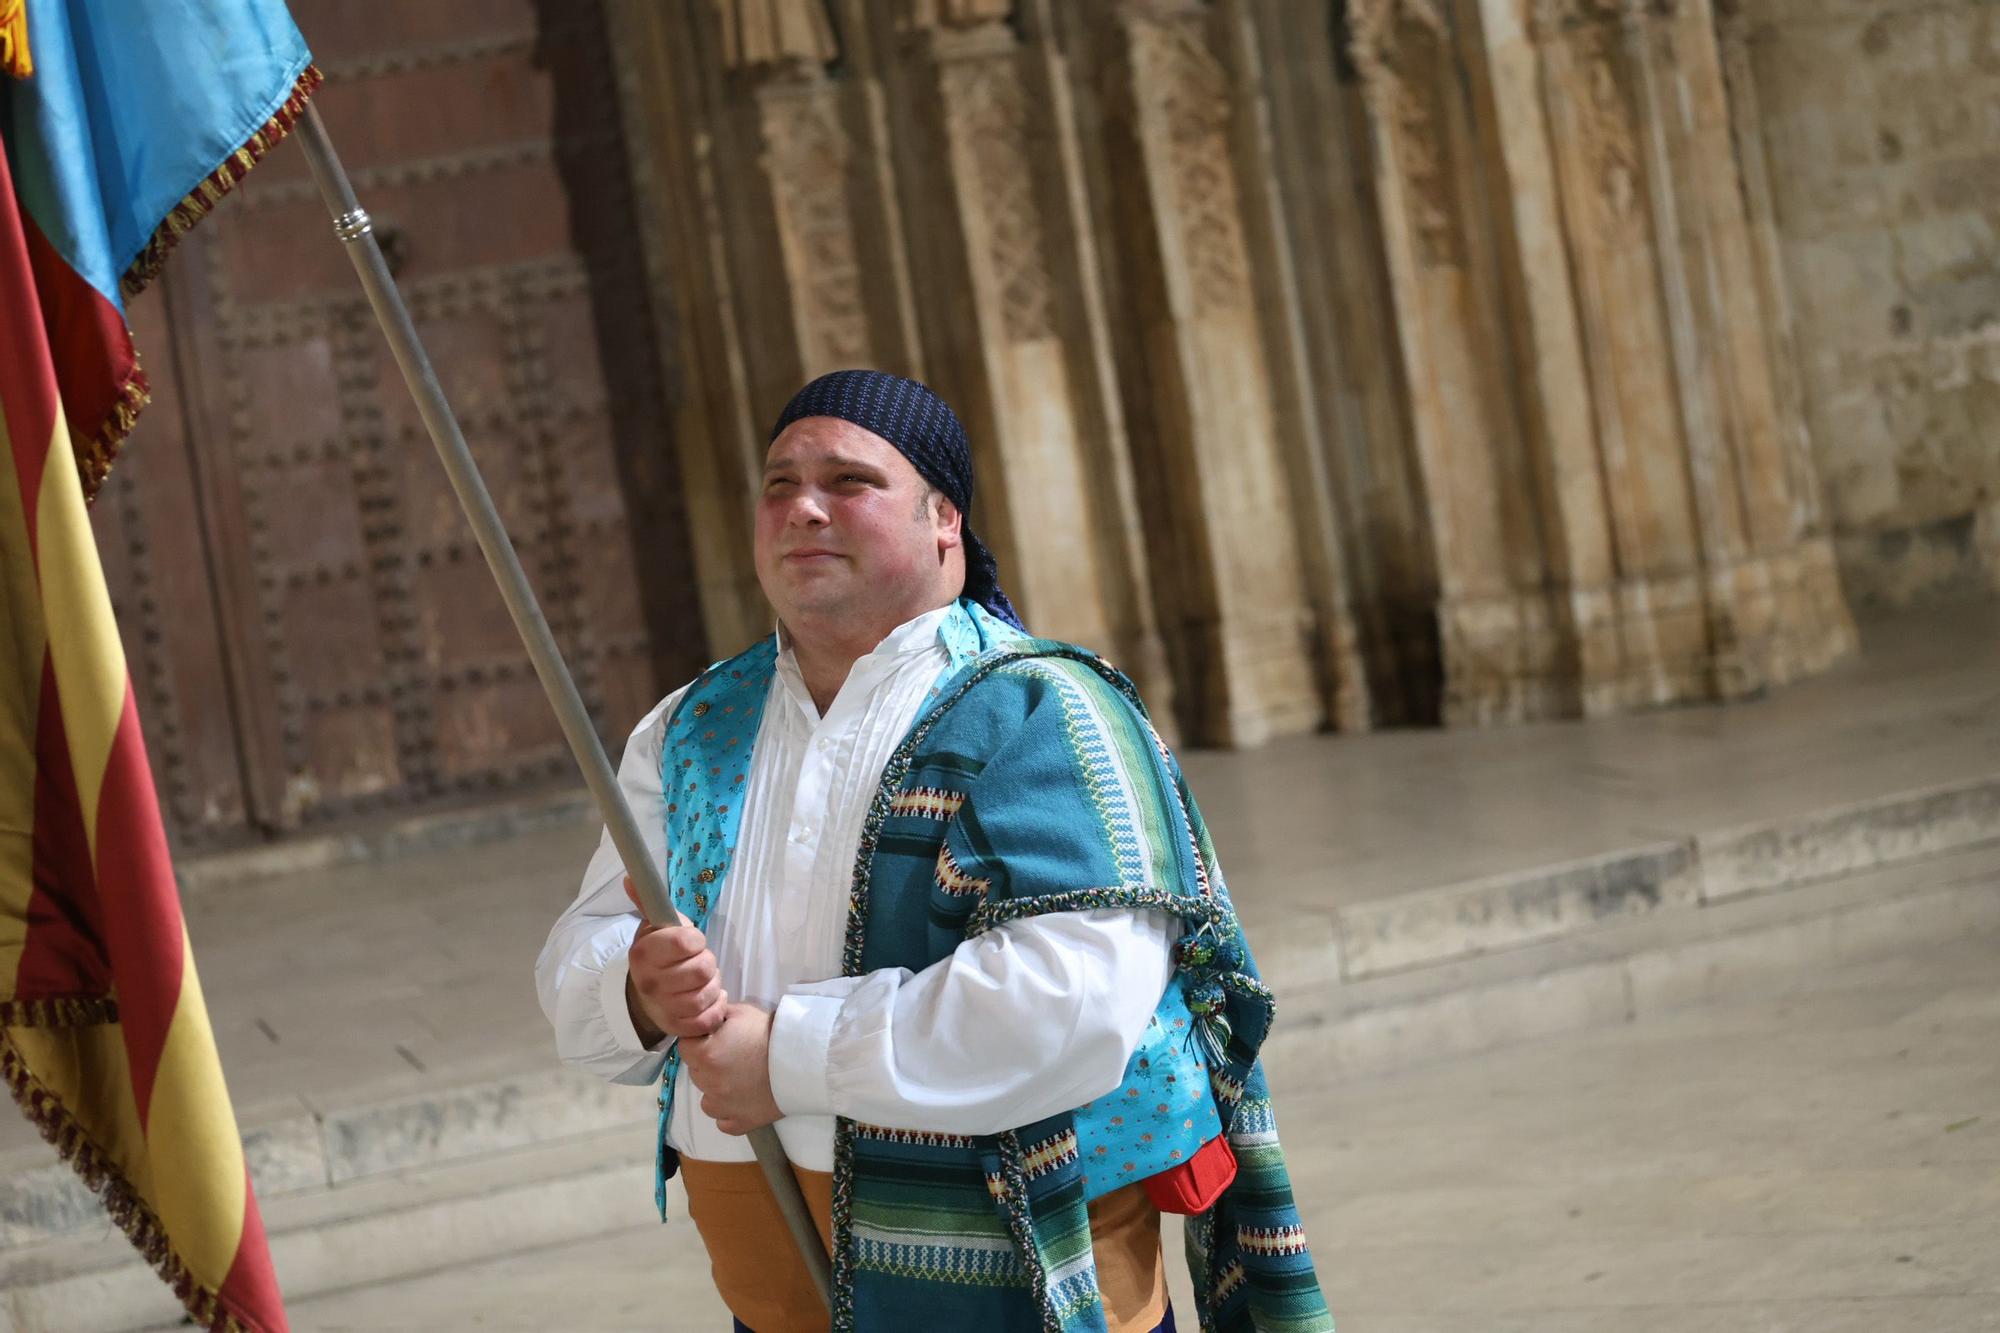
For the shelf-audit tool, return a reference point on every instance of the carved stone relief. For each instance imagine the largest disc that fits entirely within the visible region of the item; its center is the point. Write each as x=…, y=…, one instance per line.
x=807, y=153
x=1422, y=153
x=1194, y=108
x=1402, y=49
x=1381, y=32
x=1605, y=121
x=988, y=113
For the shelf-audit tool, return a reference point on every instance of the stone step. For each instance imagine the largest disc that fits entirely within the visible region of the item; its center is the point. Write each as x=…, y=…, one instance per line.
x=478, y=1199
x=396, y=1225
x=375, y=840
x=1644, y=965
x=295, y=1150
x=1443, y=925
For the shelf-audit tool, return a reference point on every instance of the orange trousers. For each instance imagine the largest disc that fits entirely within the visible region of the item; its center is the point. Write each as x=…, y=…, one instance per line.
x=763, y=1281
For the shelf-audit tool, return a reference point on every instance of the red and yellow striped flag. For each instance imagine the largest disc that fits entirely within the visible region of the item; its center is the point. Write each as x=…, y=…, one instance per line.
x=106, y=1043
x=117, y=137
x=105, y=1037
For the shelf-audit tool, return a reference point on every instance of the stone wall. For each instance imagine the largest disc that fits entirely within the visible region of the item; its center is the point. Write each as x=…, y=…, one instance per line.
x=1326, y=363
x=1874, y=128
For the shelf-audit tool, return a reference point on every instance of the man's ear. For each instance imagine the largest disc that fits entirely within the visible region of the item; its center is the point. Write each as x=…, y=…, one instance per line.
x=949, y=521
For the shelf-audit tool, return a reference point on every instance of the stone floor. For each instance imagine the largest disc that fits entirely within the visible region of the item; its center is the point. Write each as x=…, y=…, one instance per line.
x=1826, y=1160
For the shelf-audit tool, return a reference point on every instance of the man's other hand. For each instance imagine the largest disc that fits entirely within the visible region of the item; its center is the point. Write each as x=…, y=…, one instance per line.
x=672, y=986
x=733, y=1072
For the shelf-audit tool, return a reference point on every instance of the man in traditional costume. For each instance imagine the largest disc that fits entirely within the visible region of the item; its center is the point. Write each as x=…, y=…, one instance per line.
x=957, y=929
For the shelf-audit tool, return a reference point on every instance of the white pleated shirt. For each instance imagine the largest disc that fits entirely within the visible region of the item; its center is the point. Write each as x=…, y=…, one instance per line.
x=1034, y=1017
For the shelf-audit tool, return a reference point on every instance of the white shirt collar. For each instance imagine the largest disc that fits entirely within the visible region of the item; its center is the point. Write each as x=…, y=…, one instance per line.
x=919, y=634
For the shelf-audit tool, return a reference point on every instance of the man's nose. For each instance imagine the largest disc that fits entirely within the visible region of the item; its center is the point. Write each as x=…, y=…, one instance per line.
x=806, y=510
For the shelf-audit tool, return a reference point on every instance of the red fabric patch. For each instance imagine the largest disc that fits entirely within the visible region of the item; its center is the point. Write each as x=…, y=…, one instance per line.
x=1195, y=1184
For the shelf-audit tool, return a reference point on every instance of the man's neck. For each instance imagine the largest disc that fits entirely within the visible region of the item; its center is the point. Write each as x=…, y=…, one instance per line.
x=825, y=654
x=824, y=667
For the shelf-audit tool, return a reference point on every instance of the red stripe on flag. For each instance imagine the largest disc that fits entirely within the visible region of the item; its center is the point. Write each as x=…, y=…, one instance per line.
x=27, y=380
x=251, y=1289
x=97, y=368
x=61, y=955
x=141, y=917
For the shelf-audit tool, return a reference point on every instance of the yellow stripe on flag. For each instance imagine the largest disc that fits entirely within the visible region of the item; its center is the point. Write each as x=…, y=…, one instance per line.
x=192, y=1139
x=89, y=661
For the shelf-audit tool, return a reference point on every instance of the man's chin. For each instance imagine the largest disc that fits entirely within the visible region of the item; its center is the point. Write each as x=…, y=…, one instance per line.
x=819, y=597
x=810, y=576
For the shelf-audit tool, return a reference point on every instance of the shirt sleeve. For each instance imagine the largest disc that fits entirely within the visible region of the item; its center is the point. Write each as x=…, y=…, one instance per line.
x=580, y=975
x=1037, y=1016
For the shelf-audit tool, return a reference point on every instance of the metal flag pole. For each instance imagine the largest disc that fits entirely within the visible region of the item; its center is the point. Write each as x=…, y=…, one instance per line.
x=351, y=225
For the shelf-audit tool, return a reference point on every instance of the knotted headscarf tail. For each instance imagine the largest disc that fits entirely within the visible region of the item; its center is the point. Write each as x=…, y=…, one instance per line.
x=926, y=431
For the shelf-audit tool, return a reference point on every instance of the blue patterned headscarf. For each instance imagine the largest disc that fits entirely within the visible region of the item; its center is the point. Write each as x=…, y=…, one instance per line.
x=926, y=431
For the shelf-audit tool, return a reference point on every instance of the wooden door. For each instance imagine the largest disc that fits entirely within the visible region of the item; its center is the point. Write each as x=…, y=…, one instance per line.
x=313, y=630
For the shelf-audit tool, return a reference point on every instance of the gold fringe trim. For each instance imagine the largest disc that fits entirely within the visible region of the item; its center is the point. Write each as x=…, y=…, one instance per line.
x=206, y=195
x=134, y=1216
x=96, y=452
x=14, y=57
x=60, y=1011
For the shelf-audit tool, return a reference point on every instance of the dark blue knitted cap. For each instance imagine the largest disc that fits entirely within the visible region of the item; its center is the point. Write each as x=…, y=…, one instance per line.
x=926, y=431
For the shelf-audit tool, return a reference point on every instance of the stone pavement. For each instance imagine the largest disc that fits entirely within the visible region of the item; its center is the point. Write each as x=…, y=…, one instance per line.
x=1827, y=1160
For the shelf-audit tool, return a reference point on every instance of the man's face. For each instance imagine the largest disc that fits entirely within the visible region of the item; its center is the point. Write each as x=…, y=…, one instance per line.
x=843, y=528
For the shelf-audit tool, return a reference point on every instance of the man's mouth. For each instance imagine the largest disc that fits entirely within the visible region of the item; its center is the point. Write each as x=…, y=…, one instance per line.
x=812, y=553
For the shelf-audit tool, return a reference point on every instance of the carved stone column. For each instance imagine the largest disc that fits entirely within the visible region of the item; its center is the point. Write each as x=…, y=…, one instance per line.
x=776, y=243
x=1323, y=186
x=1746, y=120
x=1013, y=319
x=1202, y=388
x=1505, y=633
x=1620, y=510
x=815, y=221
x=1725, y=583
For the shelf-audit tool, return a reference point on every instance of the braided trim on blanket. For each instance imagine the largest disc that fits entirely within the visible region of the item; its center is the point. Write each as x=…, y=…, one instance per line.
x=990, y=914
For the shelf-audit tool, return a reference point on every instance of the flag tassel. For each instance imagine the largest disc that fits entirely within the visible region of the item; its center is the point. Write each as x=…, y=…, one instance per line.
x=198, y=202
x=97, y=449
x=124, y=1205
